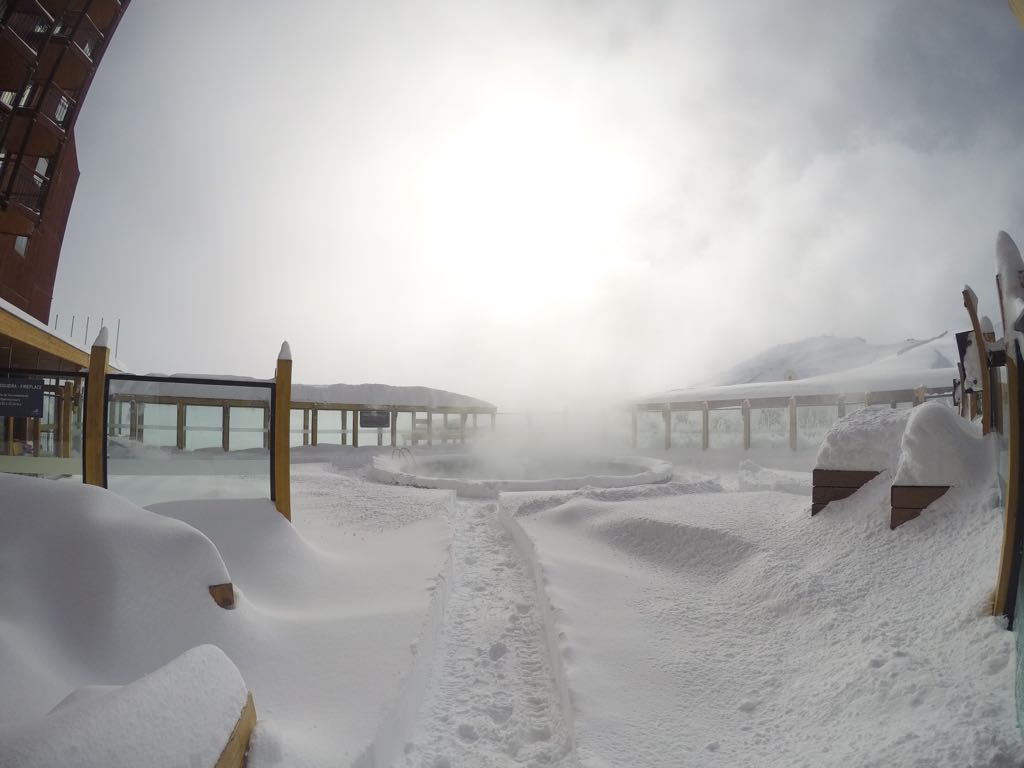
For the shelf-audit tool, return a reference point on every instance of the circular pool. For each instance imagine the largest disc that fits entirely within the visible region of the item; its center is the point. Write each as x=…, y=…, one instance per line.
x=486, y=476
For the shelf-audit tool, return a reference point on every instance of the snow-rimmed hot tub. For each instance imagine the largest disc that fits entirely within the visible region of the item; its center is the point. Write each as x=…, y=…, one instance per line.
x=485, y=477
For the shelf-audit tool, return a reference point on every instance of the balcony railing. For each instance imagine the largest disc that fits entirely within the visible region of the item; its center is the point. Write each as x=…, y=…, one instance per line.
x=22, y=184
x=28, y=20
x=78, y=28
x=49, y=101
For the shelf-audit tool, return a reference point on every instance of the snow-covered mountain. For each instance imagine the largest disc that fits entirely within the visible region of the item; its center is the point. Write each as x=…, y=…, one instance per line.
x=820, y=355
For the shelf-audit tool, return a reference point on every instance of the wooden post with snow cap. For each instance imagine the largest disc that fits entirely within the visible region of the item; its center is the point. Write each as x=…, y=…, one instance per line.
x=841, y=407
x=666, y=416
x=95, y=409
x=282, y=432
x=745, y=409
x=705, y=426
x=792, y=424
x=920, y=395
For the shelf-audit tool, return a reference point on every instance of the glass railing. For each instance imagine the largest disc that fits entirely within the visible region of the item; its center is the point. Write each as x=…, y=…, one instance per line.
x=175, y=438
x=41, y=416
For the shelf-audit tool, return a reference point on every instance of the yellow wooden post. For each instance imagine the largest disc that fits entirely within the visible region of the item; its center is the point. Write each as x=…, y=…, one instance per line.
x=705, y=426
x=142, y=423
x=792, y=424
x=67, y=403
x=99, y=358
x=133, y=420
x=181, y=425
x=920, y=394
x=282, y=432
x=225, y=429
x=745, y=408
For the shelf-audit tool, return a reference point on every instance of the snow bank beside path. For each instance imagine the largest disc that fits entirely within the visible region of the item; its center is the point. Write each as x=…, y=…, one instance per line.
x=93, y=590
x=181, y=714
x=732, y=629
x=97, y=591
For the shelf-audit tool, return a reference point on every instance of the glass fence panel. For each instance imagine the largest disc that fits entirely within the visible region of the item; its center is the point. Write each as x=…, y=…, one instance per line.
x=812, y=422
x=175, y=439
x=650, y=431
x=687, y=429
x=41, y=415
x=726, y=428
x=769, y=427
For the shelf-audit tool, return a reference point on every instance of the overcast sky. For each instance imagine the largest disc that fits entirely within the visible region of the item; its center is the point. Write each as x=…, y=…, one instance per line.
x=528, y=201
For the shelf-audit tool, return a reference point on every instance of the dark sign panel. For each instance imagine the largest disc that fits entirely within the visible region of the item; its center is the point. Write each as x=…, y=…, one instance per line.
x=21, y=398
x=374, y=419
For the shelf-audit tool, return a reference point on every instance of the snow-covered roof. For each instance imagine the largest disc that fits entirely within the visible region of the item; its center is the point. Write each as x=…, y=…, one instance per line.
x=908, y=366
x=380, y=396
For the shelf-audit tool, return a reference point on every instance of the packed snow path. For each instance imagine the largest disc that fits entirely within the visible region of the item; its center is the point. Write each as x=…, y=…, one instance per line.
x=492, y=699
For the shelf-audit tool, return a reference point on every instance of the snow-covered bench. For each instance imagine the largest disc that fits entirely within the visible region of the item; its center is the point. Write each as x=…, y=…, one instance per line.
x=923, y=451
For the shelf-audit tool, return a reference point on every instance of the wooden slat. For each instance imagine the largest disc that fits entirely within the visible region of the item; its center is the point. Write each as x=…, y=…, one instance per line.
x=842, y=478
x=916, y=496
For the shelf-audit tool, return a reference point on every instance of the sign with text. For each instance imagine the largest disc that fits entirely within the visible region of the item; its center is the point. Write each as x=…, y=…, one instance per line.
x=21, y=398
x=374, y=419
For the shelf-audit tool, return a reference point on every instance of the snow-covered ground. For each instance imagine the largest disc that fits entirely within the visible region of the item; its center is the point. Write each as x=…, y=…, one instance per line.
x=706, y=621
x=701, y=622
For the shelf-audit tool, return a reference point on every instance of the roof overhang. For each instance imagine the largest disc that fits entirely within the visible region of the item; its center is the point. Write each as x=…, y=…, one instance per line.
x=25, y=343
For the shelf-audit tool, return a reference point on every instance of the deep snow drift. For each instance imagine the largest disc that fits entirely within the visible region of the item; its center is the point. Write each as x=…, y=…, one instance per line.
x=705, y=621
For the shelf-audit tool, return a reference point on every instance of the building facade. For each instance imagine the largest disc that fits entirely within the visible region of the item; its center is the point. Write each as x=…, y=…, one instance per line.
x=49, y=53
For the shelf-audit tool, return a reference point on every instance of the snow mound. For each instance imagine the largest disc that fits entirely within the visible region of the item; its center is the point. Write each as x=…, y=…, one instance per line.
x=754, y=477
x=80, y=565
x=869, y=439
x=940, y=448
x=529, y=504
x=183, y=713
x=706, y=553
